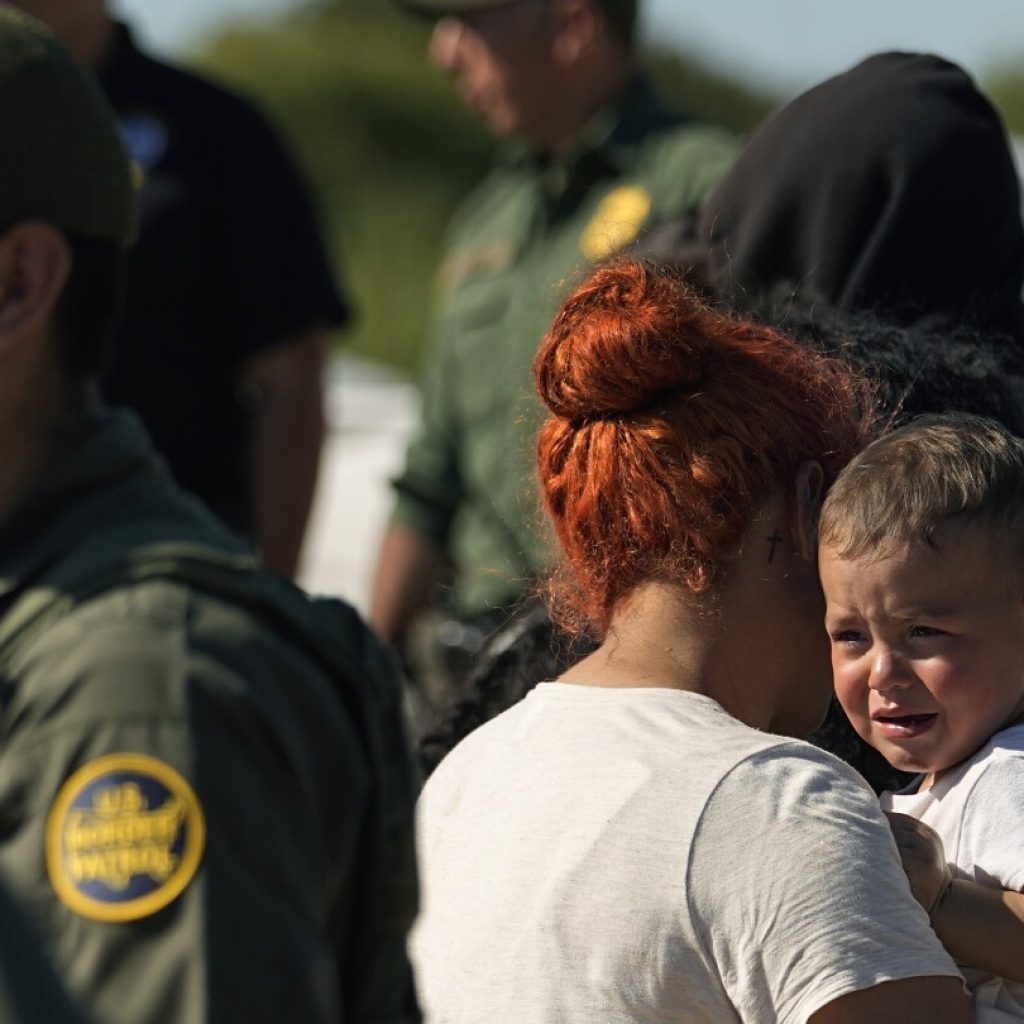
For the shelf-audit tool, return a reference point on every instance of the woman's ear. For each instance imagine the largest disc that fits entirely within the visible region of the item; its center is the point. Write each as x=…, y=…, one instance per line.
x=809, y=492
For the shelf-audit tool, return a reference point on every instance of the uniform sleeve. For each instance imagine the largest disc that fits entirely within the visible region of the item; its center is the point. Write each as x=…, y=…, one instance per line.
x=466, y=385
x=277, y=281
x=183, y=825
x=695, y=161
x=816, y=904
x=430, y=489
x=992, y=828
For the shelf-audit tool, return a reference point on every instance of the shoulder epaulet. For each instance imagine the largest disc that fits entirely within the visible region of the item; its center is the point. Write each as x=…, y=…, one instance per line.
x=684, y=164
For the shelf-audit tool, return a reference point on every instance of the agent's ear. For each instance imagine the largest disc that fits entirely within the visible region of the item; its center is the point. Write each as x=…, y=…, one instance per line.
x=807, y=498
x=35, y=261
x=576, y=25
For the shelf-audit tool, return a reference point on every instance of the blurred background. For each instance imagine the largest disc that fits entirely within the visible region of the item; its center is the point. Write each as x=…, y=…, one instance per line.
x=388, y=152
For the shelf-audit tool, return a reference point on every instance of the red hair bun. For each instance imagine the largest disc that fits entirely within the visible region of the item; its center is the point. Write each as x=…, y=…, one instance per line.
x=670, y=423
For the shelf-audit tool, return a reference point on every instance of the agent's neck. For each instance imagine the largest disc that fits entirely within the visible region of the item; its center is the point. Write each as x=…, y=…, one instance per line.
x=90, y=41
x=38, y=426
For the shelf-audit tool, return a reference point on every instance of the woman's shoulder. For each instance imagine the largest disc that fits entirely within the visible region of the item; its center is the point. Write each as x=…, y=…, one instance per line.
x=791, y=762
x=788, y=783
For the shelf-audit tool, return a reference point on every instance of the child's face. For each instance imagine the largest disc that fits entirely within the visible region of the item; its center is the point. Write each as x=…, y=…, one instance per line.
x=927, y=646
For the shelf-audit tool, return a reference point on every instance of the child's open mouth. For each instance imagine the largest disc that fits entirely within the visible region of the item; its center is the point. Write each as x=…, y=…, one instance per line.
x=903, y=726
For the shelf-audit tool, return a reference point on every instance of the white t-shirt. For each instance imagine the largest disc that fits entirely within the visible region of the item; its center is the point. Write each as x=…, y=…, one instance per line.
x=978, y=811
x=603, y=856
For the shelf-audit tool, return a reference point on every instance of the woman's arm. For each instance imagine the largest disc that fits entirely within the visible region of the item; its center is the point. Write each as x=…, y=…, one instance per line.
x=911, y=1001
x=814, y=918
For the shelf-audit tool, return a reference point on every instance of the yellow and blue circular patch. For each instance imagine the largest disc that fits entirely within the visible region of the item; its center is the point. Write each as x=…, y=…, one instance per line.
x=124, y=837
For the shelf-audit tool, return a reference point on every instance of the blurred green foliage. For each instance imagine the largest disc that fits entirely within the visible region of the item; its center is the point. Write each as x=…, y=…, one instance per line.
x=1006, y=87
x=706, y=94
x=389, y=151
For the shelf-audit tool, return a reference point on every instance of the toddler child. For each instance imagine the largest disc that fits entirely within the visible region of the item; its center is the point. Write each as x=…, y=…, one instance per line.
x=922, y=563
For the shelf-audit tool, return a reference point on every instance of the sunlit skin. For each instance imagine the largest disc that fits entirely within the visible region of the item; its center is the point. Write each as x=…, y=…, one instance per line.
x=927, y=646
x=662, y=637
x=83, y=26
x=797, y=606
x=498, y=57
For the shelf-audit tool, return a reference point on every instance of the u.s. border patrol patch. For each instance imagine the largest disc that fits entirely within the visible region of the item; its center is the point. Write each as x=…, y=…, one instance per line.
x=616, y=223
x=124, y=837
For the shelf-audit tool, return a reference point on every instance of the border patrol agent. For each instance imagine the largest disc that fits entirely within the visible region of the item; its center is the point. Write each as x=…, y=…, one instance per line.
x=227, y=383
x=204, y=794
x=593, y=163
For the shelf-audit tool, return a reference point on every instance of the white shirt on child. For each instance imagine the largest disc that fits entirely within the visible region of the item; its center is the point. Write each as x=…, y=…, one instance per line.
x=978, y=811
x=632, y=856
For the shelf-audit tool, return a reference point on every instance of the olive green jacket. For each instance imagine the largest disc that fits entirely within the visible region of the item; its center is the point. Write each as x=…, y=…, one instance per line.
x=184, y=795
x=515, y=247
x=30, y=991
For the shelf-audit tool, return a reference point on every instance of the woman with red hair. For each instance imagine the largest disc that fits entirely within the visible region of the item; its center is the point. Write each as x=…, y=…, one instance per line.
x=639, y=840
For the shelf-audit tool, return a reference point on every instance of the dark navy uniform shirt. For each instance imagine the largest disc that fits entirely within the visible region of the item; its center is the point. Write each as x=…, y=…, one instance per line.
x=228, y=263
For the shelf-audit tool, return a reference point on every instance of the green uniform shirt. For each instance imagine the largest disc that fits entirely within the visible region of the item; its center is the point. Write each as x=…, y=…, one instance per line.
x=181, y=792
x=516, y=246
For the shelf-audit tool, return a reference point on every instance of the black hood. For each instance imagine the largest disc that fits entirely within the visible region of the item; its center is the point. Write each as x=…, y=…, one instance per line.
x=890, y=188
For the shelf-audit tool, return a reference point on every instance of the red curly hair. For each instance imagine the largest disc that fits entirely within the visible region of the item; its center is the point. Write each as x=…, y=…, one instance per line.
x=670, y=423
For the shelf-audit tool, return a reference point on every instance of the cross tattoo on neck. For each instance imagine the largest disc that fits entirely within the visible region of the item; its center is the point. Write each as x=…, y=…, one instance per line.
x=775, y=538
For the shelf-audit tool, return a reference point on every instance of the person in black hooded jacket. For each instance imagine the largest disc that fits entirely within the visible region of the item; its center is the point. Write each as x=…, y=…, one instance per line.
x=890, y=187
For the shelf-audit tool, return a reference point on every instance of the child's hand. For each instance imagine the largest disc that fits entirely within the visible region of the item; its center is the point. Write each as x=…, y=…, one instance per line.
x=923, y=858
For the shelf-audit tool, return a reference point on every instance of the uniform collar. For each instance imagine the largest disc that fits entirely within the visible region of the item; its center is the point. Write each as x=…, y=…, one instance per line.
x=83, y=488
x=608, y=140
